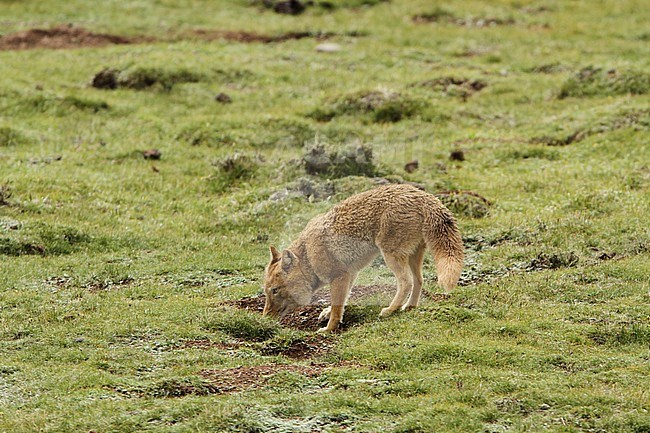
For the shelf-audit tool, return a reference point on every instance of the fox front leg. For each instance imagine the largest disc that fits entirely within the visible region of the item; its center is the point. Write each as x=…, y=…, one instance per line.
x=339, y=291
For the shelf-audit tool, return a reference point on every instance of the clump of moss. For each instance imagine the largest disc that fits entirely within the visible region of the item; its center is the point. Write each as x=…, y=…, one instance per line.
x=465, y=203
x=143, y=78
x=233, y=169
x=44, y=239
x=210, y=135
x=454, y=86
x=60, y=106
x=553, y=261
x=11, y=137
x=5, y=194
x=380, y=106
x=592, y=81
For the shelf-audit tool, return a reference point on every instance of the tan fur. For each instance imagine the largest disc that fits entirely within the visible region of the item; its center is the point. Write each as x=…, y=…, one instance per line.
x=398, y=221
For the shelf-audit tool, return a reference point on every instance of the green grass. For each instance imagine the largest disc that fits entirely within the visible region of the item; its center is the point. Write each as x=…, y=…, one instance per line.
x=114, y=268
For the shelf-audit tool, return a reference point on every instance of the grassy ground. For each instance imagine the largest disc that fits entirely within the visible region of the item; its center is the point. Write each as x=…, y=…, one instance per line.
x=113, y=267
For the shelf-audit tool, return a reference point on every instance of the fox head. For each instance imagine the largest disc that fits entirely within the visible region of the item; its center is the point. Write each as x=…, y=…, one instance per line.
x=285, y=285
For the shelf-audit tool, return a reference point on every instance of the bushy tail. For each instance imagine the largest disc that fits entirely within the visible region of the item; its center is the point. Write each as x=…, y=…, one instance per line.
x=445, y=243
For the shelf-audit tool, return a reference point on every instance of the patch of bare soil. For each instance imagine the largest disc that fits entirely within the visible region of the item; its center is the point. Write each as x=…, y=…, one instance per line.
x=245, y=378
x=205, y=343
x=454, y=86
x=253, y=37
x=306, y=318
x=69, y=36
x=254, y=303
x=448, y=18
x=313, y=346
x=63, y=36
x=489, y=140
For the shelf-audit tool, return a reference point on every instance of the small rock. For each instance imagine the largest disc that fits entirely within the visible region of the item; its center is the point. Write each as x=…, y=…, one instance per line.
x=457, y=155
x=412, y=166
x=290, y=7
x=151, y=154
x=9, y=224
x=544, y=406
x=223, y=98
x=105, y=79
x=328, y=47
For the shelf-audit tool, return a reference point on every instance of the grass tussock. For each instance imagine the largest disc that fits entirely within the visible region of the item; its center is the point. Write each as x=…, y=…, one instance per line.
x=465, y=203
x=51, y=240
x=379, y=106
x=233, y=169
x=243, y=325
x=593, y=81
x=352, y=160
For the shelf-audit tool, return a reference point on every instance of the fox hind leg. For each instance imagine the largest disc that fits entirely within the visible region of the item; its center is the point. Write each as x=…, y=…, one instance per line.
x=415, y=265
x=400, y=267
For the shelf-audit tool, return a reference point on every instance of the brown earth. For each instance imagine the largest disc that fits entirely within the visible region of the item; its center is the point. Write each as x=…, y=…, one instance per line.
x=245, y=378
x=205, y=343
x=69, y=36
x=252, y=37
x=448, y=18
x=313, y=346
x=63, y=36
x=306, y=318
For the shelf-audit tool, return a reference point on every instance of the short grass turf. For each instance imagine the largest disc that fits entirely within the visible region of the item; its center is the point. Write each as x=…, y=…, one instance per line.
x=116, y=270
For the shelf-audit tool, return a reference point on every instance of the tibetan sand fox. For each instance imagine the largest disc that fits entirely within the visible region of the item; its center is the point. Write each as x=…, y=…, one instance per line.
x=398, y=221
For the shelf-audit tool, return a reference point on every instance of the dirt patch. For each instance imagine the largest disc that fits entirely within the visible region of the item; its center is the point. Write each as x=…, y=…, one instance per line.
x=454, y=86
x=204, y=343
x=294, y=347
x=447, y=17
x=64, y=36
x=254, y=303
x=68, y=36
x=548, y=68
x=246, y=378
x=313, y=346
x=140, y=78
x=358, y=310
x=253, y=37
x=553, y=261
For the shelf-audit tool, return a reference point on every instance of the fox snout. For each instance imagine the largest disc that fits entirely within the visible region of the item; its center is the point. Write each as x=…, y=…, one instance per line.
x=278, y=308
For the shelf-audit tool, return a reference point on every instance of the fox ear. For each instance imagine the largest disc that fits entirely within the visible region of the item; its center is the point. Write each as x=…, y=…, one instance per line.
x=275, y=254
x=289, y=259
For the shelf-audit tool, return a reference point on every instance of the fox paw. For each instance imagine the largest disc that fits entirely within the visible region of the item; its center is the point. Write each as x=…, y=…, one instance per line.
x=386, y=312
x=325, y=330
x=325, y=314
